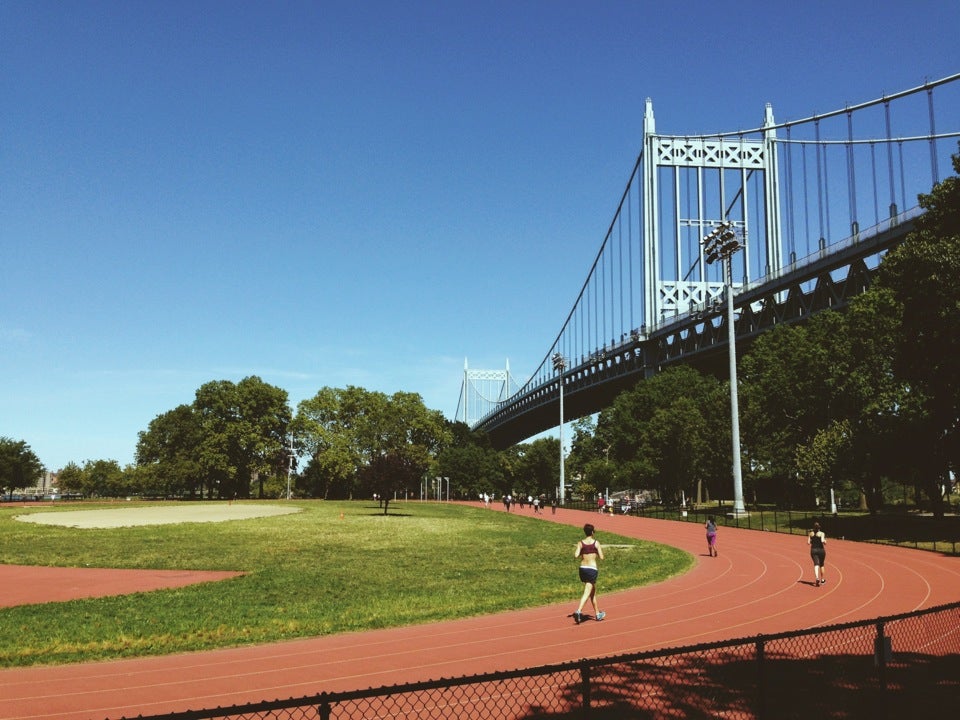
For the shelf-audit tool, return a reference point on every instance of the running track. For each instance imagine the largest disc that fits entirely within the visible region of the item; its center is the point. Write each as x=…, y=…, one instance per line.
x=760, y=583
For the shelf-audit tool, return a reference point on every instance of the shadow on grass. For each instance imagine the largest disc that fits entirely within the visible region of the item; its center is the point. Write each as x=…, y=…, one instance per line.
x=378, y=512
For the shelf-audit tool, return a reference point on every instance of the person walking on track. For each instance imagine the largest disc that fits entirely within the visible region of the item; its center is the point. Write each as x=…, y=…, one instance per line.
x=816, y=539
x=588, y=551
x=711, y=526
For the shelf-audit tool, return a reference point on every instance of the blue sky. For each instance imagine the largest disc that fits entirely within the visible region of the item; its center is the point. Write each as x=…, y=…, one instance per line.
x=355, y=193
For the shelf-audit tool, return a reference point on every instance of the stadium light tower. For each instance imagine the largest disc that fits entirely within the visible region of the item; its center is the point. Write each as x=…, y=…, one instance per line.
x=721, y=244
x=559, y=365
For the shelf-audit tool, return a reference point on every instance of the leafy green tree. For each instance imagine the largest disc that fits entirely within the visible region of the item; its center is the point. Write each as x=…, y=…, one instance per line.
x=538, y=468
x=922, y=275
x=677, y=435
x=822, y=462
x=20, y=468
x=662, y=433
x=587, y=468
x=168, y=453
x=243, y=434
x=331, y=429
x=471, y=464
x=70, y=479
x=404, y=446
x=880, y=399
x=103, y=478
x=363, y=441
x=793, y=383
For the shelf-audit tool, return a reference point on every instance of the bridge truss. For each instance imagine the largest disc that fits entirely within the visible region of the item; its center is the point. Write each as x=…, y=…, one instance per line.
x=482, y=391
x=815, y=202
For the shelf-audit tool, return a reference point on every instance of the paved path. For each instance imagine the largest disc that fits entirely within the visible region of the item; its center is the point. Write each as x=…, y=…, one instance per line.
x=760, y=583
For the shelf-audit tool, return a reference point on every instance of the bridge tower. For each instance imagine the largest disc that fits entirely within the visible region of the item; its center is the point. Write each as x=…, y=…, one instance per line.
x=482, y=391
x=689, y=186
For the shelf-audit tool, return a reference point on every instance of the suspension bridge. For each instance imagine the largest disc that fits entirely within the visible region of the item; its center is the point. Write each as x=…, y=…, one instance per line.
x=813, y=204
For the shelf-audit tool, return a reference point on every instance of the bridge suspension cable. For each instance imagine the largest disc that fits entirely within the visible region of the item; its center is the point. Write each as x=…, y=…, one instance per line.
x=779, y=191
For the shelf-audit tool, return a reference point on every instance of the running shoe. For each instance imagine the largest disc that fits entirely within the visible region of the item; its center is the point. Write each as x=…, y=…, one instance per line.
x=601, y=615
x=577, y=617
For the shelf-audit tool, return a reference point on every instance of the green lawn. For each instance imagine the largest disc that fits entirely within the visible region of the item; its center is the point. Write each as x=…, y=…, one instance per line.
x=311, y=573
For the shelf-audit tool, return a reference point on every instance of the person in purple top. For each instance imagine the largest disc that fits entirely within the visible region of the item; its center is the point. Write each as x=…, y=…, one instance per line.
x=711, y=526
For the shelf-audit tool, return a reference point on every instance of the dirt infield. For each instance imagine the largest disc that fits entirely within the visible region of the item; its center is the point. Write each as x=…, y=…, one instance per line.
x=159, y=515
x=760, y=583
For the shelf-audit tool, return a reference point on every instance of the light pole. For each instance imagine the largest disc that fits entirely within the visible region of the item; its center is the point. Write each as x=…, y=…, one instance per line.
x=721, y=244
x=289, y=467
x=560, y=364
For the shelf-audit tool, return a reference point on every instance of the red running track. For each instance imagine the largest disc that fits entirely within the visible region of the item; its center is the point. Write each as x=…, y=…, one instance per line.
x=760, y=583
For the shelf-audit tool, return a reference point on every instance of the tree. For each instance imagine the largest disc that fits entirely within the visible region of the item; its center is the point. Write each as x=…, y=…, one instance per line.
x=880, y=400
x=404, y=447
x=538, y=468
x=20, y=468
x=330, y=429
x=243, y=429
x=794, y=381
x=589, y=462
x=822, y=461
x=232, y=436
x=365, y=441
x=103, y=478
x=167, y=453
x=70, y=478
x=472, y=465
x=662, y=433
x=922, y=275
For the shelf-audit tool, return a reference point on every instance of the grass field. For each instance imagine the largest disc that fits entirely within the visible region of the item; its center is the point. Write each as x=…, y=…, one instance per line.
x=332, y=568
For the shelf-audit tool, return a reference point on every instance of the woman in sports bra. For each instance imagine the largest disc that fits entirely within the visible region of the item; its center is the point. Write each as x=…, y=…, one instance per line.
x=589, y=551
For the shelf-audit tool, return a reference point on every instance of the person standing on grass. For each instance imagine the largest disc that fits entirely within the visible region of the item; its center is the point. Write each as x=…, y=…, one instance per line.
x=589, y=551
x=711, y=526
x=817, y=540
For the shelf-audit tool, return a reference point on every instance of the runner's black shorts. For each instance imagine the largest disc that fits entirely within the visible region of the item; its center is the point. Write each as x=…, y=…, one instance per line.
x=588, y=574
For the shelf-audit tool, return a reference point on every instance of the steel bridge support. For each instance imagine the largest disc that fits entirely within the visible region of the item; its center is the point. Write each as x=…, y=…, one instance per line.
x=691, y=185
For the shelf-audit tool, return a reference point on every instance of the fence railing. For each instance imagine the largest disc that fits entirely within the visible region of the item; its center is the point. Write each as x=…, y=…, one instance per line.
x=891, y=528
x=904, y=665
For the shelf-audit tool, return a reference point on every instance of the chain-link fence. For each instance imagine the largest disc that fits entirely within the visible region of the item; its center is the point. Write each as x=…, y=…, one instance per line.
x=921, y=532
x=900, y=666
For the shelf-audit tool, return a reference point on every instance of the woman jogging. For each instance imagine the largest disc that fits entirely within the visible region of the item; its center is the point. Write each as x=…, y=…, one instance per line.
x=817, y=540
x=711, y=526
x=588, y=550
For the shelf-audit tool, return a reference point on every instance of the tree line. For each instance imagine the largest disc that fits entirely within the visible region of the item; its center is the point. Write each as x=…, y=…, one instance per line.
x=865, y=402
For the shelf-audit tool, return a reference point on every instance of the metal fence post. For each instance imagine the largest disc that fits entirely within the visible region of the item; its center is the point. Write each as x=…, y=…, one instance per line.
x=881, y=652
x=324, y=709
x=761, y=684
x=585, y=689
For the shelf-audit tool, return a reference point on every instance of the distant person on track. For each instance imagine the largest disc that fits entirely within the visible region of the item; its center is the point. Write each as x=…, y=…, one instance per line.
x=711, y=526
x=589, y=551
x=817, y=540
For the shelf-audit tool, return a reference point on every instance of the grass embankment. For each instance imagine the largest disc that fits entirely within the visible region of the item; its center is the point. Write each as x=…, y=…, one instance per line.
x=311, y=573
